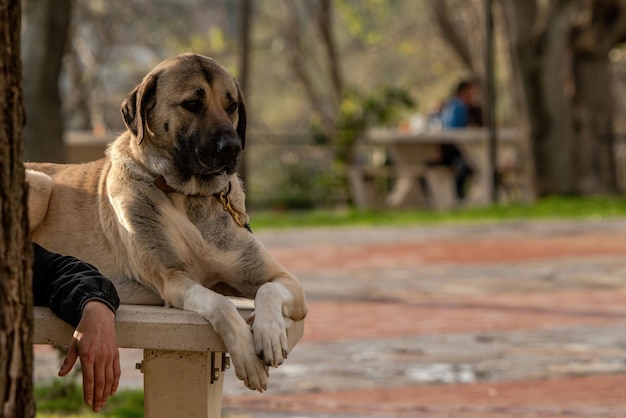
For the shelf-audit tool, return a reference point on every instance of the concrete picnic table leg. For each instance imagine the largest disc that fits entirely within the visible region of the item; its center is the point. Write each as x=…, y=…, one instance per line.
x=480, y=191
x=409, y=165
x=406, y=191
x=183, y=383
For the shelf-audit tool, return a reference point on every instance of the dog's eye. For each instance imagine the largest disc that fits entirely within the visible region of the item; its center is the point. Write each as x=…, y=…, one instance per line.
x=192, y=105
x=232, y=108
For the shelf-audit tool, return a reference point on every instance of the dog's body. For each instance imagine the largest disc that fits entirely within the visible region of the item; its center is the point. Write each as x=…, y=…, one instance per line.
x=163, y=213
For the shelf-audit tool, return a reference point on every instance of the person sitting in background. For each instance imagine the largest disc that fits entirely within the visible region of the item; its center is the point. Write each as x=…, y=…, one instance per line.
x=84, y=298
x=459, y=111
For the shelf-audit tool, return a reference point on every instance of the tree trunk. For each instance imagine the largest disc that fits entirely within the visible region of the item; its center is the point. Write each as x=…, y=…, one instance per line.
x=245, y=24
x=559, y=53
x=459, y=42
x=323, y=84
x=45, y=35
x=325, y=26
x=593, y=110
x=77, y=105
x=16, y=357
x=297, y=58
x=554, y=149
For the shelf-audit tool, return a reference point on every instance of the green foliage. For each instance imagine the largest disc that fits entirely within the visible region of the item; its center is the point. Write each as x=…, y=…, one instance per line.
x=359, y=111
x=357, y=15
x=305, y=184
x=293, y=189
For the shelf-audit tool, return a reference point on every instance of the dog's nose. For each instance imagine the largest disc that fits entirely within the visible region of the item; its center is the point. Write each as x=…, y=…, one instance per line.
x=229, y=147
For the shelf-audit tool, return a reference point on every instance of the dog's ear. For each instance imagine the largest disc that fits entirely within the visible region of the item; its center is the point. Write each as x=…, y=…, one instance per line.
x=134, y=107
x=241, y=120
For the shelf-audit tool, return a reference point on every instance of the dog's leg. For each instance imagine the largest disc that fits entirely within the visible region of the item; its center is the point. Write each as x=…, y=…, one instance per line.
x=186, y=294
x=39, y=191
x=276, y=300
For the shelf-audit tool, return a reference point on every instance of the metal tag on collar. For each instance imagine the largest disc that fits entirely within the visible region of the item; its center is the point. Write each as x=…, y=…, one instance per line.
x=225, y=199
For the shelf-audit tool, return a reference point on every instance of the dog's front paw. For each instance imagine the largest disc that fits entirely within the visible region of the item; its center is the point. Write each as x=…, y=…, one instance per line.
x=248, y=367
x=270, y=338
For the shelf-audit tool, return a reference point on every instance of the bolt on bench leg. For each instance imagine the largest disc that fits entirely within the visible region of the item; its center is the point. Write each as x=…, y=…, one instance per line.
x=183, y=383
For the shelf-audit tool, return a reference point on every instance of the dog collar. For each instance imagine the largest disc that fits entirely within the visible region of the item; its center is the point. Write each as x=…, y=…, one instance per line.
x=161, y=184
x=223, y=197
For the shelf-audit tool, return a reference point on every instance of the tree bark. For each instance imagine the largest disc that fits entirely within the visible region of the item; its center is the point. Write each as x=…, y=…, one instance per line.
x=555, y=150
x=602, y=28
x=296, y=50
x=559, y=52
x=456, y=40
x=245, y=25
x=15, y=249
x=593, y=109
x=526, y=88
x=45, y=36
x=323, y=84
x=325, y=25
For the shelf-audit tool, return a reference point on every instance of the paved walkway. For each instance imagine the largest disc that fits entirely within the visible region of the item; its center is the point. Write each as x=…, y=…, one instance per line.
x=510, y=320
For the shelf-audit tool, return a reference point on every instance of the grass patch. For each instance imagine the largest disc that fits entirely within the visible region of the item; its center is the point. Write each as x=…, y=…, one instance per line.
x=60, y=399
x=548, y=208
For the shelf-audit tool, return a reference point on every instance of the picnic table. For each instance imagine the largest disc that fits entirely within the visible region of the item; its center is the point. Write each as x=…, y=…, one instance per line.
x=410, y=152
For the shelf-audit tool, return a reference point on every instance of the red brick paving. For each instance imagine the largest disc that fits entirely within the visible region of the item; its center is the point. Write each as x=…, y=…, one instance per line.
x=590, y=396
x=332, y=321
x=468, y=251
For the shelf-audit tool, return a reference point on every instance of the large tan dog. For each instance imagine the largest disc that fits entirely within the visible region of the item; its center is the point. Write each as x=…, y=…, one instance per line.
x=163, y=213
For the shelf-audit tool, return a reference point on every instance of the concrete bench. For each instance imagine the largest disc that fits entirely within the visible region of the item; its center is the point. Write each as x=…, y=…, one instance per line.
x=183, y=361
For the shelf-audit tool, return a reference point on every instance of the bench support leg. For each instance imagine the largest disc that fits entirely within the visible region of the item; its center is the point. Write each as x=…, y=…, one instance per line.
x=182, y=384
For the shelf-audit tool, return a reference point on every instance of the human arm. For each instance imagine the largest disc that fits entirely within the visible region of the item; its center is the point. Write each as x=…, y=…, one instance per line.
x=81, y=296
x=94, y=342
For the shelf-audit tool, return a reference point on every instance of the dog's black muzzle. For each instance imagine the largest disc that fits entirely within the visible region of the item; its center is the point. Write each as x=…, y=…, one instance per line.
x=218, y=155
x=228, y=153
x=208, y=155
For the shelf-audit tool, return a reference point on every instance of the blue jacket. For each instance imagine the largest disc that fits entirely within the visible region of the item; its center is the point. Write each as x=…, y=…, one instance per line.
x=455, y=114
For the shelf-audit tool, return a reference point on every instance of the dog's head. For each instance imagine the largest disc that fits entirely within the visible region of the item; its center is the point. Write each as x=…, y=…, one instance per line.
x=189, y=112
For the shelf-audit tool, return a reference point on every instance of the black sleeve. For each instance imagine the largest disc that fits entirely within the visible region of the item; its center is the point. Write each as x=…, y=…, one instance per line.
x=66, y=284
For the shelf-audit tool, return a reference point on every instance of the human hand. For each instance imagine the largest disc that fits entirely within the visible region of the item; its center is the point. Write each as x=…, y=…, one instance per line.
x=95, y=342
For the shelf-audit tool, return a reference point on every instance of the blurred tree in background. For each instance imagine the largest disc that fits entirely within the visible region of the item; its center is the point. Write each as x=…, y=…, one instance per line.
x=560, y=55
x=46, y=24
x=312, y=53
